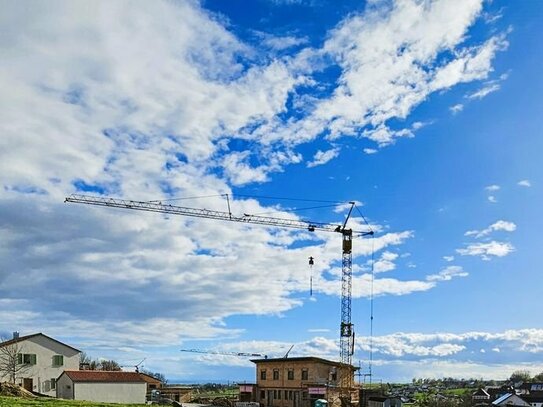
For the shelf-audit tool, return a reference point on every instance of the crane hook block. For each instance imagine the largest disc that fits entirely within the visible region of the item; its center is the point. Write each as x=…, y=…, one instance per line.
x=311, y=262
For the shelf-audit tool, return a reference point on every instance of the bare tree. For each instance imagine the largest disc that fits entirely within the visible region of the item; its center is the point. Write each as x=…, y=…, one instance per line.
x=11, y=363
x=110, y=365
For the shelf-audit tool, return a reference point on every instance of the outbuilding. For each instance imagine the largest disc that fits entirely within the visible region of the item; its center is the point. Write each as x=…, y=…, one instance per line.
x=101, y=386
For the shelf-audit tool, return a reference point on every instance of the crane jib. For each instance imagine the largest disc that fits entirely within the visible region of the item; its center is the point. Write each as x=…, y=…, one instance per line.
x=206, y=213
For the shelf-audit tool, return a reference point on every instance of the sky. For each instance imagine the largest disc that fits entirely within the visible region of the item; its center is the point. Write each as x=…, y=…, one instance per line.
x=425, y=113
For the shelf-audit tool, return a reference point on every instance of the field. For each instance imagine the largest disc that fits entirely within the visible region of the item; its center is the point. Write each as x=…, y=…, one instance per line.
x=50, y=402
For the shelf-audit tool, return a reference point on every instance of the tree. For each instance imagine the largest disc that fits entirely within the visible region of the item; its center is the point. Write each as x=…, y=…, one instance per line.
x=110, y=365
x=11, y=363
x=520, y=376
x=84, y=359
x=538, y=377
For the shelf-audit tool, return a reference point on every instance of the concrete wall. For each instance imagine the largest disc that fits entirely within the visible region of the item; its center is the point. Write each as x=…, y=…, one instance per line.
x=65, y=388
x=111, y=392
x=43, y=371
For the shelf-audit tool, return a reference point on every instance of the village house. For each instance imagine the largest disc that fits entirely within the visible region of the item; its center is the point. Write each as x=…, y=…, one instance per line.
x=481, y=398
x=102, y=386
x=296, y=382
x=40, y=361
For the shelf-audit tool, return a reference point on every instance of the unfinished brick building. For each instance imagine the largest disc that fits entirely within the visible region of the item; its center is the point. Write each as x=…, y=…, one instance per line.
x=295, y=382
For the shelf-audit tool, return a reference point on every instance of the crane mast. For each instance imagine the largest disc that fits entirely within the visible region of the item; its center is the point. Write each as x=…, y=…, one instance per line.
x=347, y=335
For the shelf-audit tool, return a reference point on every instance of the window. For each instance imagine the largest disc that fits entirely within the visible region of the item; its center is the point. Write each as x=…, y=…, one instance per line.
x=58, y=360
x=290, y=374
x=262, y=394
x=53, y=384
x=263, y=374
x=275, y=394
x=26, y=359
x=305, y=375
x=275, y=374
x=279, y=394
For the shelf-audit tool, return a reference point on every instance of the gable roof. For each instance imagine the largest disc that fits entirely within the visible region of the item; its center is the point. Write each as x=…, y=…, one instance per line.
x=502, y=398
x=103, y=376
x=517, y=401
x=24, y=338
x=149, y=379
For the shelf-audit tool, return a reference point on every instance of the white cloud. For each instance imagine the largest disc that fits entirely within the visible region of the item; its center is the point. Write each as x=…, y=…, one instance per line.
x=370, y=151
x=492, y=199
x=456, y=108
x=388, y=67
x=448, y=258
x=487, y=250
x=322, y=157
x=500, y=225
x=481, y=93
x=448, y=273
x=492, y=188
x=282, y=43
x=385, y=262
x=524, y=183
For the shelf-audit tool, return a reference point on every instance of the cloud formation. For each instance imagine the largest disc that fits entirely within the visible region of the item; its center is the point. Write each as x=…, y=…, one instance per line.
x=487, y=250
x=197, y=113
x=500, y=225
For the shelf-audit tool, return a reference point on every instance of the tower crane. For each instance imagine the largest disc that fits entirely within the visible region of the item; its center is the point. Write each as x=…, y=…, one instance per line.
x=215, y=352
x=346, y=330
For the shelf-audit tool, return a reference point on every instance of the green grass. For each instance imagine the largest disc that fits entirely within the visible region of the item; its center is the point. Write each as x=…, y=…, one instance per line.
x=50, y=402
x=215, y=394
x=458, y=392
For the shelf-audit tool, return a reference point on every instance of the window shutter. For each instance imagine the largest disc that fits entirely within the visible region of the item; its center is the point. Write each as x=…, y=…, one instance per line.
x=33, y=359
x=19, y=358
x=58, y=360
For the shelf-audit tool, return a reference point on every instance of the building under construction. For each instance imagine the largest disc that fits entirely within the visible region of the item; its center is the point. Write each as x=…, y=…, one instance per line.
x=298, y=382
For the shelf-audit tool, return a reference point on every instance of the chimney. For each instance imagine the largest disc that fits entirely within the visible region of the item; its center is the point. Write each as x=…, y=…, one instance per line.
x=16, y=335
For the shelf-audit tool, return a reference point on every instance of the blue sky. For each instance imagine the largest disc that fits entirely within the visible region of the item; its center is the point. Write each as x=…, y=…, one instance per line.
x=427, y=113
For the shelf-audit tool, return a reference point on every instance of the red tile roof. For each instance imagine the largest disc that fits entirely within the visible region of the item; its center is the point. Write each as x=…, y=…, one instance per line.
x=103, y=376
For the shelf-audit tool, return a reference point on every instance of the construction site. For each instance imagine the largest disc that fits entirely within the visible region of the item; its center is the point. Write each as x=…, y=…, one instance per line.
x=285, y=382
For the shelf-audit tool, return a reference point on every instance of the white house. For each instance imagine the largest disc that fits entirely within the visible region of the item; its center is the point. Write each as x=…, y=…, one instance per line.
x=40, y=360
x=101, y=386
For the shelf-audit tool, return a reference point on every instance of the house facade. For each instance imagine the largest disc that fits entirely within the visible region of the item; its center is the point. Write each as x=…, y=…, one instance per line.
x=296, y=382
x=102, y=386
x=40, y=361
